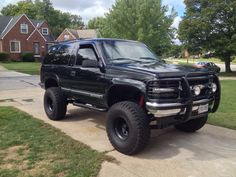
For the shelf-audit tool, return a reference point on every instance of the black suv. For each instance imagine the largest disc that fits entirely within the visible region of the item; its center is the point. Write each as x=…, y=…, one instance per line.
x=139, y=91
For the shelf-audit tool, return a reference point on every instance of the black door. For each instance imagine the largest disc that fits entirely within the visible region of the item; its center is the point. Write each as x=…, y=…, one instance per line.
x=88, y=82
x=61, y=63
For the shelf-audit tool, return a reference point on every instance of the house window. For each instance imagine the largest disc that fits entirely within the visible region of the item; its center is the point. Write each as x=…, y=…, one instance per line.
x=24, y=28
x=45, y=31
x=66, y=37
x=15, y=47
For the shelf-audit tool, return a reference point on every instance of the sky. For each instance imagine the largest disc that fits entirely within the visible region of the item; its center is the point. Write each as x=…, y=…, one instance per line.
x=92, y=8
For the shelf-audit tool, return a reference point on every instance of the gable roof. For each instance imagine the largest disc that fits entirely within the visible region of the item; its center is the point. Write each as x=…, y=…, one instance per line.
x=3, y=22
x=7, y=23
x=36, y=30
x=85, y=33
x=37, y=23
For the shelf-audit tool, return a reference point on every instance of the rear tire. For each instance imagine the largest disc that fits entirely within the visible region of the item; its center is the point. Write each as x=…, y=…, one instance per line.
x=55, y=104
x=192, y=125
x=127, y=127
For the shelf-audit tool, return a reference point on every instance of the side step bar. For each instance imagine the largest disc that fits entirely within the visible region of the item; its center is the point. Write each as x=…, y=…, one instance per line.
x=89, y=107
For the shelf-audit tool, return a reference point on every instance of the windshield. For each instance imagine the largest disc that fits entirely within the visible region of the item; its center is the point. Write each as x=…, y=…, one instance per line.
x=126, y=52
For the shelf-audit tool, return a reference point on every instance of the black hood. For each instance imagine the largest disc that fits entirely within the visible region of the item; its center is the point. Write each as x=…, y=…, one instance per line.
x=160, y=69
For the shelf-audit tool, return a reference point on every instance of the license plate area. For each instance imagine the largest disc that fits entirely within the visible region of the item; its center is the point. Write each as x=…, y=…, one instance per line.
x=203, y=108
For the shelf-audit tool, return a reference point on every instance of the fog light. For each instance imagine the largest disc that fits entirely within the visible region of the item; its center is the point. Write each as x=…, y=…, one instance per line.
x=213, y=87
x=197, y=90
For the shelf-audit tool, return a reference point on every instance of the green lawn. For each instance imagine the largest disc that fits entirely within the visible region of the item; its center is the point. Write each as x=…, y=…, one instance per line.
x=24, y=67
x=226, y=114
x=232, y=74
x=29, y=147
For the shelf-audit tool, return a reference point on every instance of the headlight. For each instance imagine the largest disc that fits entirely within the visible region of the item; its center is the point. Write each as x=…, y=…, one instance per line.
x=213, y=87
x=197, y=90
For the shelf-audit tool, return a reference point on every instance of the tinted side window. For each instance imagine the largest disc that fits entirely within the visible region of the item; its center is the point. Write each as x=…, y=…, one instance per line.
x=59, y=55
x=85, y=53
x=51, y=54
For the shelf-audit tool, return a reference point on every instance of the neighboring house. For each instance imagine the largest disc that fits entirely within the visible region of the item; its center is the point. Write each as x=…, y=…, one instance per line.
x=72, y=34
x=20, y=34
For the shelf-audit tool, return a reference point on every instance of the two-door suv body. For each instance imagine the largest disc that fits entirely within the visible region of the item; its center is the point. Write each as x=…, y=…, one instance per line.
x=139, y=91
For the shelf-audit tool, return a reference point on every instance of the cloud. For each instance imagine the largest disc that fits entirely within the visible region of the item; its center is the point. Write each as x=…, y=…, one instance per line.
x=85, y=8
x=92, y=8
x=6, y=2
x=178, y=5
x=176, y=22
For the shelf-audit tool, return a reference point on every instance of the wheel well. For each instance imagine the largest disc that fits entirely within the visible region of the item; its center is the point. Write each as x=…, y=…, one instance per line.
x=50, y=83
x=124, y=93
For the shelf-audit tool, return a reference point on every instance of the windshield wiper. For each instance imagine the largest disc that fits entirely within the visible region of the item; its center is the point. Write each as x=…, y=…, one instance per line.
x=148, y=58
x=153, y=59
x=125, y=59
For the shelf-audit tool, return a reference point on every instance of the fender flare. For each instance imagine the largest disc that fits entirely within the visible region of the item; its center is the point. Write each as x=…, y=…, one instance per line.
x=116, y=82
x=52, y=77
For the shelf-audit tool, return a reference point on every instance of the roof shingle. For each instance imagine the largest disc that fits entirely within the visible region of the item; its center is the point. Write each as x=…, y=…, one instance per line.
x=7, y=22
x=85, y=33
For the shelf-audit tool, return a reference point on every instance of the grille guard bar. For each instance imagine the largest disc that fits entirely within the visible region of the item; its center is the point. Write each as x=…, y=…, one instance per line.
x=217, y=96
x=188, y=105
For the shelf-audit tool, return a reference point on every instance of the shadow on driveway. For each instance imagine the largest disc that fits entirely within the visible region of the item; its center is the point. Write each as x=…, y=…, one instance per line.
x=208, y=144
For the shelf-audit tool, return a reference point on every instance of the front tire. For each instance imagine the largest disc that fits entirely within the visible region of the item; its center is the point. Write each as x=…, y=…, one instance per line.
x=55, y=103
x=192, y=125
x=127, y=127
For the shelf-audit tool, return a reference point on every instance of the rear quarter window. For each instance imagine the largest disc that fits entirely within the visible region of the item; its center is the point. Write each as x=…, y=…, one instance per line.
x=59, y=54
x=51, y=54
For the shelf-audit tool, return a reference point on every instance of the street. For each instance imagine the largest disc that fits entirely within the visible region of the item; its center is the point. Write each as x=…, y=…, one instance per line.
x=222, y=67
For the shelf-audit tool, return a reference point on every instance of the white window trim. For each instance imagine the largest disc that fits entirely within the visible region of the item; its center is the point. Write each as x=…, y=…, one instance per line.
x=19, y=47
x=27, y=29
x=43, y=32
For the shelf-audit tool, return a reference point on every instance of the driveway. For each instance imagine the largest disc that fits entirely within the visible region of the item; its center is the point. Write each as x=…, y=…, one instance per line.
x=207, y=153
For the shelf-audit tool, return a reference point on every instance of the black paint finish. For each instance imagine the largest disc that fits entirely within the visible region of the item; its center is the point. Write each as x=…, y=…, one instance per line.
x=91, y=85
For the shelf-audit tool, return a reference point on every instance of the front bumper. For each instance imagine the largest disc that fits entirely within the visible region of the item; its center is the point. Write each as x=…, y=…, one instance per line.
x=186, y=109
x=175, y=109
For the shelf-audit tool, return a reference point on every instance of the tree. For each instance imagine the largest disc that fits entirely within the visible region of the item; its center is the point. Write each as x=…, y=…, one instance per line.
x=21, y=7
x=210, y=25
x=96, y=22
x=100, y=24
x=142, y=20
x=174, y=51
x=43, y=10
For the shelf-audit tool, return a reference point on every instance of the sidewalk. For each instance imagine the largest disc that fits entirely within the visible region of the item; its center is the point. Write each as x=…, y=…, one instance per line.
x=4, y=73
x=227, y=78
x=2, y=68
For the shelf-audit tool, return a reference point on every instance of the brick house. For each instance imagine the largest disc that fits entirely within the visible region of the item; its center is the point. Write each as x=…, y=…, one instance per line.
x=20, y=34
x=72, y=34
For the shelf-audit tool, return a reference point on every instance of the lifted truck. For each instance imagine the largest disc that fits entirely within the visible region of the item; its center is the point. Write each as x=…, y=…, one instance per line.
x=139, y=91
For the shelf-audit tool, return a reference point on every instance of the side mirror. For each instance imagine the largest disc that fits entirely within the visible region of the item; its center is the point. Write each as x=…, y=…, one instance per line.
x=90, y=64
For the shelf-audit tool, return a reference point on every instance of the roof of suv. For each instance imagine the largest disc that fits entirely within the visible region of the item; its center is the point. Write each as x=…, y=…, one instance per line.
x=96, y=40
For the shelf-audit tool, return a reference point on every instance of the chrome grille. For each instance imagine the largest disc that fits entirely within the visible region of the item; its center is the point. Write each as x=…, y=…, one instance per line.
x=167, y=89
x=171, y=89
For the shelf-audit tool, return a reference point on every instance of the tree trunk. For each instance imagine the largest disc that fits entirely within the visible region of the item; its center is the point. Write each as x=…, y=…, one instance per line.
x=227, y=65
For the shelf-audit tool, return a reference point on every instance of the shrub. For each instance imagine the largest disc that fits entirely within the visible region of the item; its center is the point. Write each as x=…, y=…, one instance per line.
x=4, y=56
x=27, y=57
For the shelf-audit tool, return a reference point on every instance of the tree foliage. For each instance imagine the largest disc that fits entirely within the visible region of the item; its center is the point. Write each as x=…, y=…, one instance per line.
x=174, y=51
x=210, y=25
x=142, y=20
x=43, y=10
